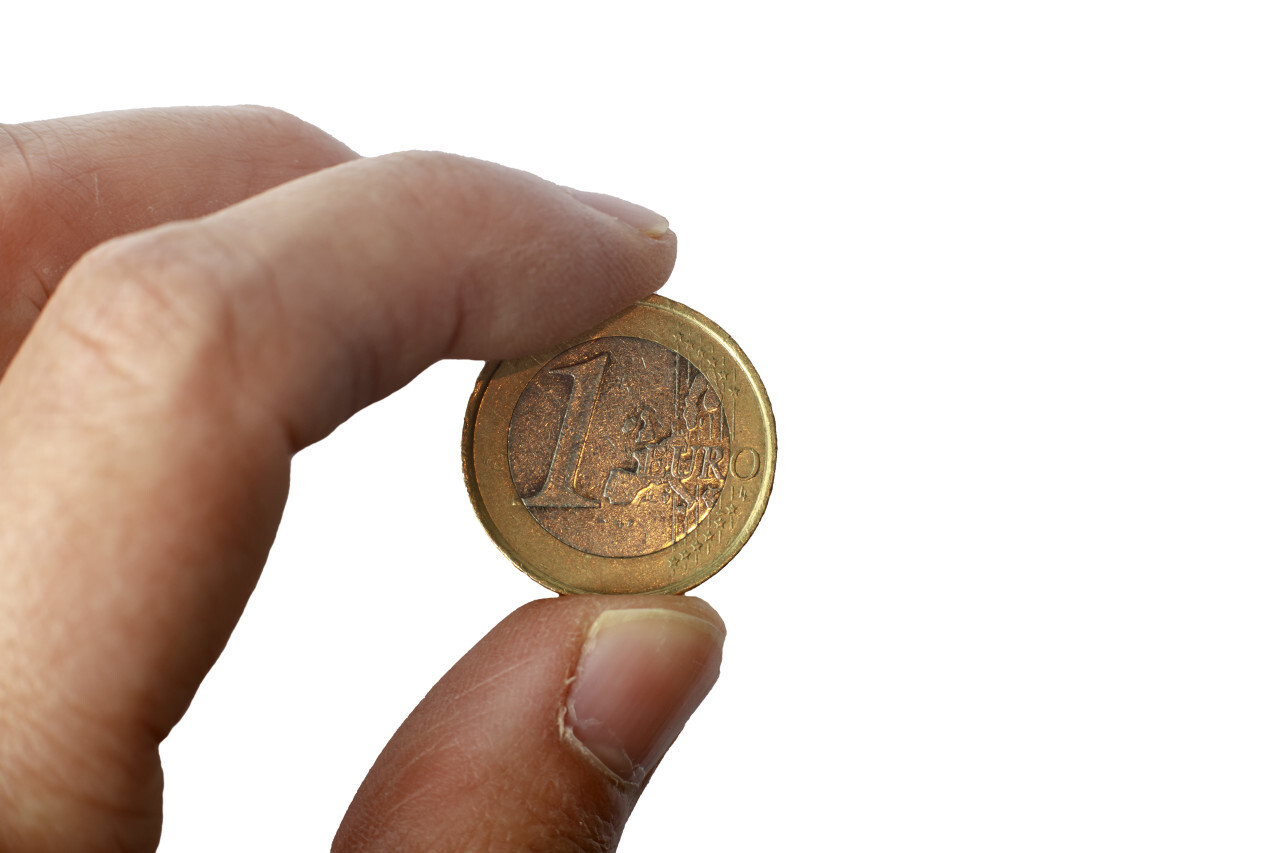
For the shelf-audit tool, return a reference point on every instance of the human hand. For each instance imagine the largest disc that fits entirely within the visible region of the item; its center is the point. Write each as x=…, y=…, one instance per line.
x=148, y=415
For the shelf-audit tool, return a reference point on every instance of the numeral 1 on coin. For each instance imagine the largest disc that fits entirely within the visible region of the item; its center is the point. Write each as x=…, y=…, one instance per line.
x=558, y=489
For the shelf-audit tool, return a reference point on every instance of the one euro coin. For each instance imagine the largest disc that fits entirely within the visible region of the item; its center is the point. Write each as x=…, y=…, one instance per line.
x=636, y=458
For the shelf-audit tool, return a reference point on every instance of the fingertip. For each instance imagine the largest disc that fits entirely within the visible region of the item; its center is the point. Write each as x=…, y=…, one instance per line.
x=647, y=222
x=555, y=261
x=641, y=673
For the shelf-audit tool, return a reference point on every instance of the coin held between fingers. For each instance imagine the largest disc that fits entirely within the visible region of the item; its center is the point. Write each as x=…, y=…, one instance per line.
x=636, y=458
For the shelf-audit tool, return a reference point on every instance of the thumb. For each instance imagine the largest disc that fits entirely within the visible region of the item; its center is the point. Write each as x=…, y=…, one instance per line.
x=544, y=734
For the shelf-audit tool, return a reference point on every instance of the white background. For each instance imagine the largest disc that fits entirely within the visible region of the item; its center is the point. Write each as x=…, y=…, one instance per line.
x=1009, y=273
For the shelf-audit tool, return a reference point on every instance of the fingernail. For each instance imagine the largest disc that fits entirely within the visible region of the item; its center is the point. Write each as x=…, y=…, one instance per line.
x=641, y=674
x=641, y=218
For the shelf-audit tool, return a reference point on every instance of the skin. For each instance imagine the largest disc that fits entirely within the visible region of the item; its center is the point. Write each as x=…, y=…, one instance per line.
x=188, y=298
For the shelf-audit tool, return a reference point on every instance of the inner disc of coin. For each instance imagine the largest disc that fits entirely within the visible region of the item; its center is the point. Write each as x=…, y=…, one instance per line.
x=618, y=447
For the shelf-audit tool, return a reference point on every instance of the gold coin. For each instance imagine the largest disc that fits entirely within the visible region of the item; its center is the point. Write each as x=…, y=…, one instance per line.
x=636, y=458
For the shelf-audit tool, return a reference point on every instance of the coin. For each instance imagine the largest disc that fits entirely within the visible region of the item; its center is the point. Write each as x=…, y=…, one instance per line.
x=636, y=458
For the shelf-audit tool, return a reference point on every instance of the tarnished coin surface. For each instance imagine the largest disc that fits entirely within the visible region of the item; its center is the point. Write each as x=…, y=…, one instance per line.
x=637, y=458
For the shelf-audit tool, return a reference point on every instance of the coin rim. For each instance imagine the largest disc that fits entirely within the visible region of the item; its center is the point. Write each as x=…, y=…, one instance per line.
x=702, y=570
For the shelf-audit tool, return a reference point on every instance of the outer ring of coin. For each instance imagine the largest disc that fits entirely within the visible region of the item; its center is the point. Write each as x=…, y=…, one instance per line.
x=691, y=560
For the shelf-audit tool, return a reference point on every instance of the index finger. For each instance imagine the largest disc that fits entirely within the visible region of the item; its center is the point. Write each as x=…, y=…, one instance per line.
x=146, y=426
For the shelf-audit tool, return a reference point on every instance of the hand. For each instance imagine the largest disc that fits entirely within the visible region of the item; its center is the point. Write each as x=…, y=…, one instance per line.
x=149, y=409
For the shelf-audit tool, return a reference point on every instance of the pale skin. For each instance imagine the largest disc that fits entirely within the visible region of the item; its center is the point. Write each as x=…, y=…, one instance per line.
x=189, y=297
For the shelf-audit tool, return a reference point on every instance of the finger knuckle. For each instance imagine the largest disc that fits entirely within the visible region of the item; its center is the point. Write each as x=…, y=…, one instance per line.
x=467, y=186
x=149, y=306
x=431, y=163
x=506, y=222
